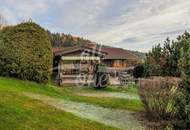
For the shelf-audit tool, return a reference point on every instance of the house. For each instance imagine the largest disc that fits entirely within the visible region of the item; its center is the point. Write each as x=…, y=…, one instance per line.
x=79, y=60
x=76, y=60
x=118, y=58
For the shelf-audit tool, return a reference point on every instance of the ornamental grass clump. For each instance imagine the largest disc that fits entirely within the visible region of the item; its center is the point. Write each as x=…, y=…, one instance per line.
x=158, y=97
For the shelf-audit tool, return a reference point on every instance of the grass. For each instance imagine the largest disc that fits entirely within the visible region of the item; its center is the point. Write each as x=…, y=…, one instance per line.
x=21, y=113
x=128, y=104
x=131, y=89
x=68, y=94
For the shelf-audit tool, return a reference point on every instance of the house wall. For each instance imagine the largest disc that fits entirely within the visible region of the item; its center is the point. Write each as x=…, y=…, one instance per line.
x=115, y=63
x=120, y=64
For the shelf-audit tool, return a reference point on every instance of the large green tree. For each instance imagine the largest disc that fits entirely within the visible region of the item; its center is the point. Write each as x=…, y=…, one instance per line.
x=183, y=98
x=26, y=52
x=164, y=60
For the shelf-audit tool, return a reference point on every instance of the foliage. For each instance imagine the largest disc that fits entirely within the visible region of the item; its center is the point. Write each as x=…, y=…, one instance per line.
x=157, y=95
x=149, y=68
x=183, y=98
x=25, y=52
x=138, y=71
x=164, y=61
x=173, y=59
x=101, y=76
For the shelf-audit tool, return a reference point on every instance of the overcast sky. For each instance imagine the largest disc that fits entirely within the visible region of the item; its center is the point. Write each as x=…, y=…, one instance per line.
x=130, y=24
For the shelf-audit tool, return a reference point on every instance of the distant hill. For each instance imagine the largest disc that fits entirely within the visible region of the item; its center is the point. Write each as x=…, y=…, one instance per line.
x=66, y=40
x=61, y=40
x=139, y=54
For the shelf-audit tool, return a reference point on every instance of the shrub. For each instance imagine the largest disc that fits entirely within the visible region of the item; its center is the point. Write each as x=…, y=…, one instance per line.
x=25, y=52
x=101, y=76
x=183, y=98
x=151, y=69
x=138, y=71
x=157, y=94
x=182, y=101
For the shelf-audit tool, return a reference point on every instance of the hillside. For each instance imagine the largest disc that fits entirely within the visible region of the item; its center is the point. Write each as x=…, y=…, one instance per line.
x=66, y=40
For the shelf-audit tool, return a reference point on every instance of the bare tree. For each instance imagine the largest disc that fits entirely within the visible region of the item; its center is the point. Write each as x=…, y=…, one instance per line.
x=3, y=21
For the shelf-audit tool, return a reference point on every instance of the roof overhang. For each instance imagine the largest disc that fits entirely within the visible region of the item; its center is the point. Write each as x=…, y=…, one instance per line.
x=82, y=49
x=80, y=58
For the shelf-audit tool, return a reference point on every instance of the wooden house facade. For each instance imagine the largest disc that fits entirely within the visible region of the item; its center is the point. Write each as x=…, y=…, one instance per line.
x=82, y=60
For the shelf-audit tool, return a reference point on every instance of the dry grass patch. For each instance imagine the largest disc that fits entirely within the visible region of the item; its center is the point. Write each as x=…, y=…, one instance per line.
x=157, y=95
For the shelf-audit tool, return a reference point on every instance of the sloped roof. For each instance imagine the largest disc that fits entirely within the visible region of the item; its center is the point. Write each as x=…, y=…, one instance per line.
x=115, y=53
x=65, y=51
x=57, y=50
x=118, y=53
x=62, y=51
x=108, y=52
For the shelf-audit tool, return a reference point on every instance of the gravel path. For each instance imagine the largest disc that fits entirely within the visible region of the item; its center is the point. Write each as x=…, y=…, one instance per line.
x=110, y=94
x=121, y=119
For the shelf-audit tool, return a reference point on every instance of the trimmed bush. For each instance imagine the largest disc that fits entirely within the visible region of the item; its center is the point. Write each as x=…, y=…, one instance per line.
x=157, y=94
x=25, y=52
x=101, y=76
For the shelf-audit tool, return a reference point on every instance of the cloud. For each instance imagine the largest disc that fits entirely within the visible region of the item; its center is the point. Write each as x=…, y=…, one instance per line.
x=18, y=10
x=130, y=24
x=146, y=22
x=81, y=16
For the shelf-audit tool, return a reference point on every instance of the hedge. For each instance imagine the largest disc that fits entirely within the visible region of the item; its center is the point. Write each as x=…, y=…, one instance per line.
x=26, y=52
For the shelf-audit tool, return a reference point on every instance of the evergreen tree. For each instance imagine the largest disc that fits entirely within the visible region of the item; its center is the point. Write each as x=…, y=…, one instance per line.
x=152, y=61
x=183, y=98
x=164, y=61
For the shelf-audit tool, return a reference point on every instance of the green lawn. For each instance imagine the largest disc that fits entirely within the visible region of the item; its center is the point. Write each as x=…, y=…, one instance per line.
x=131, y=89
x=20, y=113
x=66, y=93
x=133, y=105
